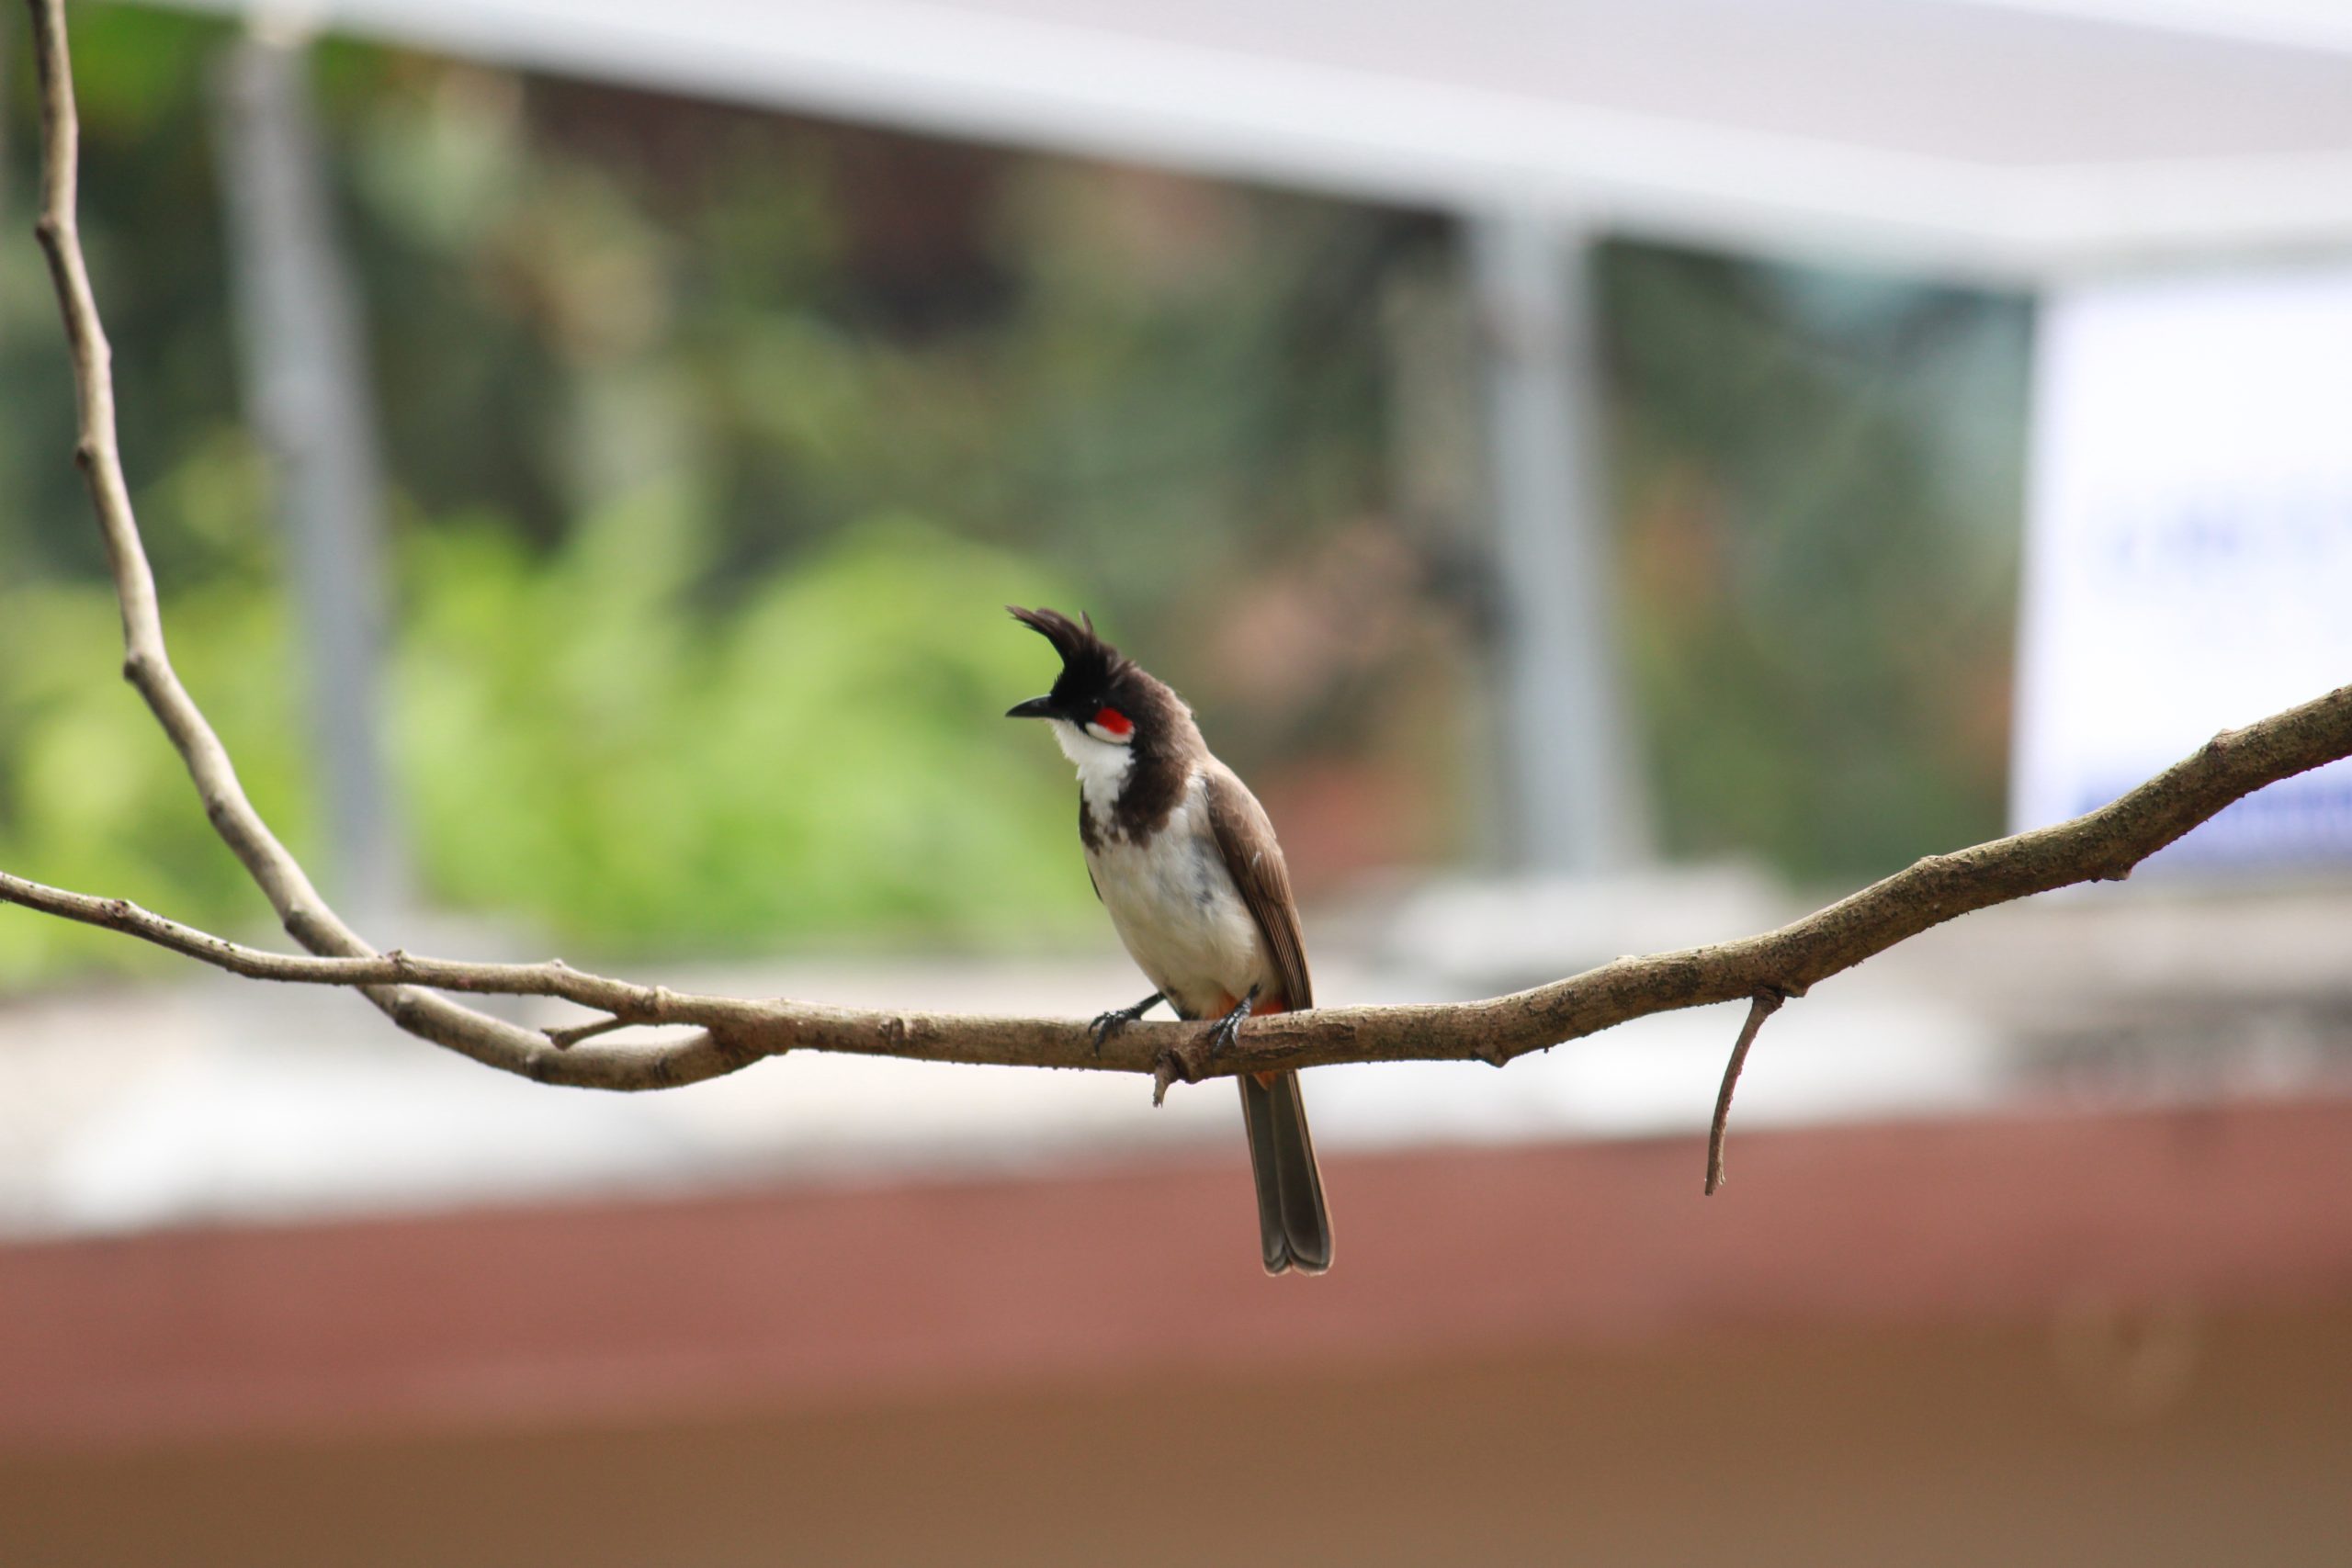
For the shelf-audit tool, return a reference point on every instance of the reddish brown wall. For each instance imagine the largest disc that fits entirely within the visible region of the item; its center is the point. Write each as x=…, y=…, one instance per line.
x=1953, y=1447
x=659, y=1312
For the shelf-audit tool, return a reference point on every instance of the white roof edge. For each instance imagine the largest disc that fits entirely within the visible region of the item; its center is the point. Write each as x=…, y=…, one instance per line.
x=2317, y=24
x=1077, y=90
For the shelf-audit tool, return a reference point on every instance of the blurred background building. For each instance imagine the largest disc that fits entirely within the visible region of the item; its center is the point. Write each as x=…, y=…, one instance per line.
x=1610, y=476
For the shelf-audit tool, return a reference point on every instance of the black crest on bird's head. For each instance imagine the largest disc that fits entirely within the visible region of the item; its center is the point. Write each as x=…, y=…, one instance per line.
x=1091, y=667
x=1108, y=698
x=1105, y=692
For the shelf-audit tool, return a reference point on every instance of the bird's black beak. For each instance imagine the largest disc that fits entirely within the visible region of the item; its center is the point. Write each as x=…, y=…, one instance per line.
x=1035, y=707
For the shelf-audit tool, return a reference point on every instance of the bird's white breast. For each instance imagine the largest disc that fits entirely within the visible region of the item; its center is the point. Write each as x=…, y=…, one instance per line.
x=1177, y=909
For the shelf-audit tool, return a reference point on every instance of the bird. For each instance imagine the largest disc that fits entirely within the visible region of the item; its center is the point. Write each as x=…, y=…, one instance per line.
x=1184, y=859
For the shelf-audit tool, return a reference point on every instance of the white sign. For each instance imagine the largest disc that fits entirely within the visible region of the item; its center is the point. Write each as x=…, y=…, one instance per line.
x=2188, y=547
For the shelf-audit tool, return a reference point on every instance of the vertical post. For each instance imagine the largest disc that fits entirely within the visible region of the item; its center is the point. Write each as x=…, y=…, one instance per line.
x=1575, y=805
x=307, y=390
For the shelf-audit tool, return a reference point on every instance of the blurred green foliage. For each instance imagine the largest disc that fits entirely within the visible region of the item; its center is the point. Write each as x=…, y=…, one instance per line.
x=715, y=440
x=576, y=742
x=712, y=468
x=94, y=797
x=1819, y=481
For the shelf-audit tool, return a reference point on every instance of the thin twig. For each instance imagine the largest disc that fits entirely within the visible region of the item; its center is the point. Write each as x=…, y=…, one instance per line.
x=733, y=1032
x=1761, y=1006
x=146, y=664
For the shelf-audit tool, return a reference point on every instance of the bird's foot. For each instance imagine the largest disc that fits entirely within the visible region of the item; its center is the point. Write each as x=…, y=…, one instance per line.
x=1222, y=1032
x=1106, y=1024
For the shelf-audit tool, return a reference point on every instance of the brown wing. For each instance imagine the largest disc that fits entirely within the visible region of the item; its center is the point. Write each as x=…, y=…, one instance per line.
x=1246, y=838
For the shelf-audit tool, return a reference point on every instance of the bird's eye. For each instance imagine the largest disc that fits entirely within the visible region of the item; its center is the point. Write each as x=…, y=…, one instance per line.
x=1109, y=724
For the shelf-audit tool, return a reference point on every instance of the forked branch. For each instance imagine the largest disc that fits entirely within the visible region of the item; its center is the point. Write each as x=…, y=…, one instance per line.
x=729, y=1032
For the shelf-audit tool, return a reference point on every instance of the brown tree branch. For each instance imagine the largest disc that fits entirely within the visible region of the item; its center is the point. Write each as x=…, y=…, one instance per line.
x=146, y=664
x=1761, y=1006
x=732, y=1032
x=2102, y=846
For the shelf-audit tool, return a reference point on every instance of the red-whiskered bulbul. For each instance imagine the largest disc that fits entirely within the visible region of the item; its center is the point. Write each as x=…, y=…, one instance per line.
x=1184, y=859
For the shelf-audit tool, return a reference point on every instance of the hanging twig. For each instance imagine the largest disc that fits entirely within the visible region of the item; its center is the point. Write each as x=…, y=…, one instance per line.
x=1763, y=1005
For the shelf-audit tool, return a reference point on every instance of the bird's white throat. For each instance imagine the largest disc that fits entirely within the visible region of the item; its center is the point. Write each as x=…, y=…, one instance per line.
x=1102, y=766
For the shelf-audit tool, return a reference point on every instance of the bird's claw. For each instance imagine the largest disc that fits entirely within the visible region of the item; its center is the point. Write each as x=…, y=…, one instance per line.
x=1223, y=1030
x=1221, y=1035
x=1106, y=1024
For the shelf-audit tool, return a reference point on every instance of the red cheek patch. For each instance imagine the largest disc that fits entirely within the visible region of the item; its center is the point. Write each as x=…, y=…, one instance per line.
x=1114, y=721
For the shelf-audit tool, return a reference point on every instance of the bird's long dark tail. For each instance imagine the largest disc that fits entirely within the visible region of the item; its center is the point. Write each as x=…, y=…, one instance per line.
x=1293, y=1224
